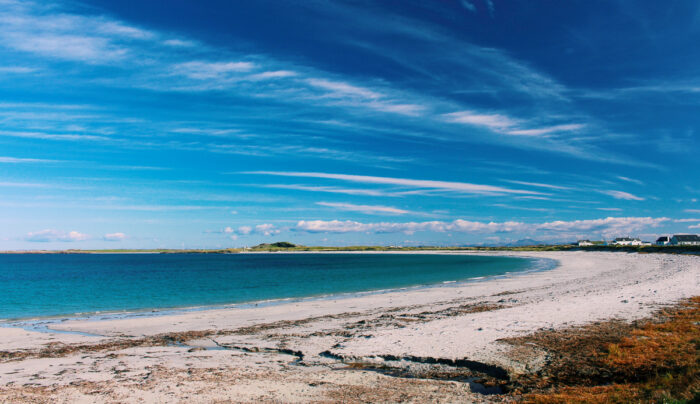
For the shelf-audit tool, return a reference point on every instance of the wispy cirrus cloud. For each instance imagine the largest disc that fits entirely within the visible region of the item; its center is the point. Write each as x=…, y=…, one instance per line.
x=273, y=74
x=540, y=185
x=17, y=69
x=52, y=136
x=507, y=125
x=496, y=122
x=211, y=70
x=101, y=40
x=622, y=195
x=449, y=186
x=36, y=28
x=547, y=130
x=341, y=89
x=356, y=96
x=368, y=209
x=334, y=190
x=17, y=160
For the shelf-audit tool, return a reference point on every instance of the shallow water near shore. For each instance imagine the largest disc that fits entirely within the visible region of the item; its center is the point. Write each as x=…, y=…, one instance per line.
x=34, y=286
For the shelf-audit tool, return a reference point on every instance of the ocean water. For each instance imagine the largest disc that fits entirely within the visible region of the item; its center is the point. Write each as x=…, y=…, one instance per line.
x=42, y=285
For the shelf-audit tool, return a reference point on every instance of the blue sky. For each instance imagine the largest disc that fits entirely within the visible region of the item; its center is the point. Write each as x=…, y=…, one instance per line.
x=218, y=124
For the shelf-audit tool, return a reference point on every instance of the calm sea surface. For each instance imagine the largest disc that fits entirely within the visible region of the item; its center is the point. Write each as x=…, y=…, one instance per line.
x=51, y=285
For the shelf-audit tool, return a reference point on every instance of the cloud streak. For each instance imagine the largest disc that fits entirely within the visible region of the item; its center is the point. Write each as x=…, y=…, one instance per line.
x=461, y=187
x=368, y=209
x=622, y=195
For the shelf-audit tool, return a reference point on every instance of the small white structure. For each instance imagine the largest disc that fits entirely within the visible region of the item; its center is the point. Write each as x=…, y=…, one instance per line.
x=584, y=243
x=663, y=240
x=626, y=241
x=685, y=239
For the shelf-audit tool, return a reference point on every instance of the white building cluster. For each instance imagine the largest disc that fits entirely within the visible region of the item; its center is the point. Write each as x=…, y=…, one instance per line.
x=675, y=240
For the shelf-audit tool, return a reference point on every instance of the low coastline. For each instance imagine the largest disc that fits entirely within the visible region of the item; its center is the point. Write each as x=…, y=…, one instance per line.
x=454, y=325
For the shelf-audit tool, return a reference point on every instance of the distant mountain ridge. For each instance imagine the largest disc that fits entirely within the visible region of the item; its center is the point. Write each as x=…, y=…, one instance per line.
x=524, y=242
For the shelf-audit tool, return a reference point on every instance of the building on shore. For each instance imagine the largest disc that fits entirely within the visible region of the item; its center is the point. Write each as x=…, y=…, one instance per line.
x=663, y=240
x=685, y=239
x=589, y=243
x=627, y=241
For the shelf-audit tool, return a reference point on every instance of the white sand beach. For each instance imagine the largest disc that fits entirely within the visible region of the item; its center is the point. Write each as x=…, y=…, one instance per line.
x=303, y=351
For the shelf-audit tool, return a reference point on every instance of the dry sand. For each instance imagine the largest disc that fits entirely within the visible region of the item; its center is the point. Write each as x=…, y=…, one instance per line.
x=309, y=350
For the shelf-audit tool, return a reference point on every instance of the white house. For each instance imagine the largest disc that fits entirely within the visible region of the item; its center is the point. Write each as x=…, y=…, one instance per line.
x=626, y=241
x=663, y=240
x=685, y=239
x=584, y=243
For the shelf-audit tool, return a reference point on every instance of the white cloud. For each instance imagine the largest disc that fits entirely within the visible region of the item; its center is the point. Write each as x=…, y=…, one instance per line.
x=15, y=160
x=363, y=97
x=692, y=210
x=369, y=209
x=538, y=184
x=28, y=27
x=276, y=74
x=50, y=235
x=622, y=195
x=336, y=190
x=630, y=180
x=619, y=225
x=114, y=237
x=695, y=226
x=122, y=30
x=341, y=89
x=495, y=122
x=401, y=109
x=461, y=187
x=211, y=70
x=504, y=124
x=72, y=47
x=179, y=43
x=51, y=136
x=336, y=226
x=266, y=229
x=547, y=130
x=609, y=226
x=17, y=69
x=23, y=184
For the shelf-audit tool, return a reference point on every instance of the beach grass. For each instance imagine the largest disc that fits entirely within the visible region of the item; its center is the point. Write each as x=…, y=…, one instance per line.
x=655, y=361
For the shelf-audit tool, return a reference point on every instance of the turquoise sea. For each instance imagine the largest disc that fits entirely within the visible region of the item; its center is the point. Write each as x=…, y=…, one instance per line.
x=42, y=285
